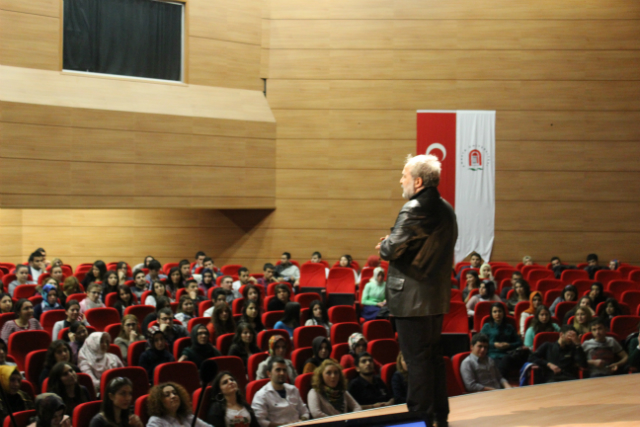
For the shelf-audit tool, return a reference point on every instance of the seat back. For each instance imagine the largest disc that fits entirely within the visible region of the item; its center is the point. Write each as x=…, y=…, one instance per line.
x=386, y=373
x=21, y=343
x=606, y=276
x=340, y=332
x=271, y=317
x=111, y=299
x=454, y=387
x=551, y=295
x=632, y=299
x=183, y=373
x=223, y=342
x=64, y=332
x=113, y=330
x=24, y=291
x=341, y=280
x=22, y=418
x=313, y=275
x=563, y=308
x=101, y=317
x=342, y=314
x=617, y=287
x=140, y=311
x=136, y=374
x=483, y=308
x=547, y=284
x=305, y=299
x=458, y=388
x=624, y=325
x=235, y=365
x=339, y=350
x=253, y=362
x=5, y=317
x=384, y=350
x=34, y=363
x=198, y=321
x=49, y=318
x=206, y=402
x=141, y=409
x=304, y=335
x=134, y=352
x=538, y=274
x=520, y=307
x=456, y=320
x=377, y=329
x=179, y=345
x=299, y=356
x=543, y=337
x=253, y=387
x=303, y=384
x=230, y=269
x=570, y=276
x=84, y=412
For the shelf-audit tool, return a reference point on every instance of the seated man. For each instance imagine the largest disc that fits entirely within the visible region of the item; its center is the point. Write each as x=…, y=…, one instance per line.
x=474, y=262
x=560, y=360
x=36, y=265
x=218, y=295
x=229, y=289
x=268, y=269
x=283, y=296
x=154, y=272
x=288, y=271
x=278, y=403
x=171, y=330
x=479, y=371
x=200, y=256
x=558, y=267
x=367, y=388
x=140, y=284
x=208, y=263
x=243, y=279
x=515, y=276
x=592, y=260
x=602, y=350
x=316, y=257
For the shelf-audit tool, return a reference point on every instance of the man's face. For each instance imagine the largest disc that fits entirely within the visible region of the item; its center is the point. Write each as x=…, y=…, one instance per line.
x=365, y=365
x=164, y=319
x=408, y=184
x=480, y=349
x=268, y=274
x=278, y=373
x=140, y=281
x=315, y=258
x=284, y=259
x=185, y=270
x=227, y=284
x=283, y=295
x=598, y=332
x=475, y=261
x=208, y=264
x=244, y=277
x=568, y=338
x=37, y=262
x=612, y=265
x=200, y=259
x=514, y=278
x=592, y=262
x=555, y=263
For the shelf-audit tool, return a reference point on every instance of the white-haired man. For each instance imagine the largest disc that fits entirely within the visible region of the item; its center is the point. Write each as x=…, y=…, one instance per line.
x=420, y=254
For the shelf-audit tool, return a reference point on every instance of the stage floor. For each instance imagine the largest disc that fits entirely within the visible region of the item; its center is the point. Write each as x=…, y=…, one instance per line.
x=601, y=402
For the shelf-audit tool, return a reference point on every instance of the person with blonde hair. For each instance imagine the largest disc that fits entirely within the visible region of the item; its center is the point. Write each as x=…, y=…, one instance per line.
x=582, y=320
x=486, y=272
x=527, y=260
x=329, y=395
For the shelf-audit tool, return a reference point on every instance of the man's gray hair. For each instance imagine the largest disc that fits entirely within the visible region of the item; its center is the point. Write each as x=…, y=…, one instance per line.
x=425, y=166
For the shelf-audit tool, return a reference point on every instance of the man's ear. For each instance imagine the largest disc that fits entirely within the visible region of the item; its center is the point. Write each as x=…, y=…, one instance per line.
x=419, y=182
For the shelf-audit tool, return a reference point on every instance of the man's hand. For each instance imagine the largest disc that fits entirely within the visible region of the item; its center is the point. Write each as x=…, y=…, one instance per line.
x=253, y=280
x=380, y=243
x=163, y=326
x=501, y=345
x=554, y=368
x=507, y=385
x=613, y=368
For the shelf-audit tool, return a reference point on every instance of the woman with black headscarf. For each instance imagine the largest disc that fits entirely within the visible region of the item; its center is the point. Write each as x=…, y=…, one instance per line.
x=321, y=351
x=201, y=348
x=50, y=411
x=596, y=294
x=157, y=353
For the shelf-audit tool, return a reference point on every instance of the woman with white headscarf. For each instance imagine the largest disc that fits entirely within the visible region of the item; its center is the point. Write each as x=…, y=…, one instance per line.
x=373, y=296
x=94, y=357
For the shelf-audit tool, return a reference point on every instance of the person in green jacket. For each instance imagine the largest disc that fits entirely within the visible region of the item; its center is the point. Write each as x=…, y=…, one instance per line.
x=503, y=338
x=373, y=296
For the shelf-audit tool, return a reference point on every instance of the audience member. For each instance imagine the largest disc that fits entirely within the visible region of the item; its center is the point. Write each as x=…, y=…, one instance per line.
x=22, y=278
x=251, y=316
x=124, y=299
x=252, y=292
x=290, y=319
x=283, y=296
x=596, y=294
x=535, y=300
x=186, y=309
x=399, y=381
x=614, y=264
x=69, y=287
x=228, y=405
x=569, y=293
x=185, y=272
x=56, y=262
x=159, y=289
x=367, y=388
x=515, y=276
x=77, y=335
x=475, y=261
x=288, y=271
x=227, y=284
x=592, y=265
x=328, y=395
x=174, y=281
x=194, y=292
x=93, y=298
x=36, y=265
x=209, y=264
x=50, y=411
x=144, y=264
x=319, y=316
x=373, y=297
x=201, y=348
x=558, y=267
x=129, y=333
x=486, y=293
x=116, y=406
x=527, y=260
x=221, y=321
x=541, y=323
x=157, y=352
x=278, y=403
x=110, y=284
x=243, y=279
x=17, y=400
x=278, y=347
x=521, y=293
x=346, y=262
x=161, y=302
x=560, y=360
x=96, y=274
x=122, y=269
x=602, y=352
x=139, y=284
x=485, y=272
x=244, y=343
x=321, y=347
x=171, y=330
x=58, y=351
x=218, y=295
x=57, y=273
x=479, y=372
x=357, y=344
x=584, y=302
x=49, y=301
x=473, y=282
x=200, y=256
x=63, y=381
x=611, y=310
x=503, y=339
x=94, y=357
x=24, y=320
x=3, y=354
x=208, y=280
x=268, y=277
x=373, y=261
x=154, y=274
x=6, y=303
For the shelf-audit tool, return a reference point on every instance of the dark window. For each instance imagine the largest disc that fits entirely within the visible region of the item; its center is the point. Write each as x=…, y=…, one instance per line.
x=139, y=38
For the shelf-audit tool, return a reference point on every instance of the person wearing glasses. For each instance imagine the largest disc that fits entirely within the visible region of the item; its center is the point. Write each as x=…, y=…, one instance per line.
x=129, y=333
x=169, y=405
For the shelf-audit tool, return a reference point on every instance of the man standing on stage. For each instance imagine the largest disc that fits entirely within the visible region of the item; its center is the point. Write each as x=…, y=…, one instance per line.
x=420, y=251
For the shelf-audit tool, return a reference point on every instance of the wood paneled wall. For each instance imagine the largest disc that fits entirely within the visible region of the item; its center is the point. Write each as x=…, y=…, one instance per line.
x=345, y=79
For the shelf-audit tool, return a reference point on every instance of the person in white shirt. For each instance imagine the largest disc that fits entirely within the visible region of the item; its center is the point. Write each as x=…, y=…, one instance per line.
x=288, y=271
x=243, y=279
x=278, y=403
x=36, y=265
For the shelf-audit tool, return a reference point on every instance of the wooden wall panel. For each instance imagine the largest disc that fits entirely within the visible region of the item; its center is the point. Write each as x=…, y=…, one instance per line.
x=237, y=21
x=35, y=7
x=28, y=40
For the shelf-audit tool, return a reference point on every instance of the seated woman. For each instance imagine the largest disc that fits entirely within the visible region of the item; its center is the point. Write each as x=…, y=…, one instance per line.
x=319, y=316
x=94, y=357
x=24, y=320
x=521, y=292
x=585, y=302
x=6, y=303
x=283, y=297
x=122, y=270
x=290, y=319
x=596, y=294
x=157, y=352
x=399, y=381
x=129, y=333
x=252, y=292
x=95, y=275
x=473, y=282
x=328, y=395
x=50, y=411
x=502, y=339
x=485, y=272
x=169, y=405
x=321, y=351
x=277, y=348
x=57, y=273
x=3, y=355
x=93, y=298
x=221, y=321
x=228, y=405
x=110, y=284
x=158, y=289
x=541, y=323
x=63, y=381
x=72, y=310
x=69, y=287
x=244, y=343
x=124, y=299
x=569, y=293
x=49, y=300
x=582, y=320
x=611, y=310
x=373, y=297
x=58, y=351
x=186, y=309
x=175, y=280
x=357, y=344
x=487, y=292
x=22, y=278
x=201, y=348
x=535, y=300
x=346, y=262
x=251, y=315
x=17, y=400
x=116, y=406
x=77, y=335
x=208, y=280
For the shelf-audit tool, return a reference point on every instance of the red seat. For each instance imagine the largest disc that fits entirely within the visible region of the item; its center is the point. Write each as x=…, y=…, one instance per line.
x=36, y=300
x=22, y=418
x=624, y=325
x=551, y=295
x=264, y=336
x=34, y=363
x=386, y=373
x=456, y=320
x=253, y=362
x=340, y=332
x=455, y=385
x=101, y=317
x=632, y=299
x=483, y=308
x=339, y=350
x=384, y=350
x=299, y=356
x=313, y=275
x=253, y=387
x=168, y=266
x=141, y=409
x=223, y=343
x=606, y=276
x=183, y=373
x=564, y=307
x=545, y=285
x=235, y=365
x=64, y=332
x=136, y=374
x=49, y=318
x=342, y=314
x=570, y=276
x=237, y=305
x=83, y=379
x=5, y=317
x=341, y=281
x=520, y=307
x=377, y=329
x=538, y=274
x=198, y=321
x=583, y=285
x=21, y=343
x=204, y=306
x=7, y=279
x=303, y=384
x=271, y=317
x=304, y=335
x=617, y=287
x=24, y=291
x=366, y=274
x=230, y=269
x=179, y=345
x=206, y=402
x=634, y=276
x=526, y=269
x=134, y=352
x=140, y=311
x=543, y=337
x=305, y=299
x=113, y=330
x=83, y=413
